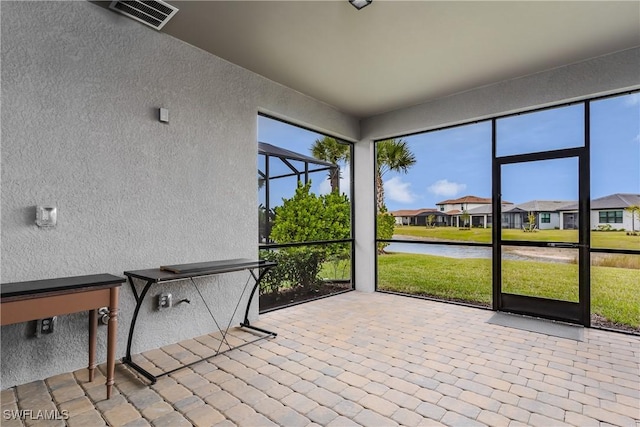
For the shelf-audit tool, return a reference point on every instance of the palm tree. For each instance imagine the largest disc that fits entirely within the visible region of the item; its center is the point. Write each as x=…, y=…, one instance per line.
x=634, y=210
x=391, y=155
x=330, y=150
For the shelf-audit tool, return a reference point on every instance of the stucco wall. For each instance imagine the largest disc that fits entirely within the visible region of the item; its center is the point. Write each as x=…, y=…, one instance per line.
x=554, y=218
x=80, y=91
x=627, y=221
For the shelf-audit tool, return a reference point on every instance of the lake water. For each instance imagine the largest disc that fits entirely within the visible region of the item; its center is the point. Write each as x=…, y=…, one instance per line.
x=454, y=251
x=440, y=250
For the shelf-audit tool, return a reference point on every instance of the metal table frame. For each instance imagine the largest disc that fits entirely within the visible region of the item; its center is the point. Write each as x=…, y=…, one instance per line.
x=256, y=268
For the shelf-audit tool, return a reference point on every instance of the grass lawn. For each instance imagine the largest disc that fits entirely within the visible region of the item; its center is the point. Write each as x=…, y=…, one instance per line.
x=336, y=270
x=599, y=239
x=615, y=292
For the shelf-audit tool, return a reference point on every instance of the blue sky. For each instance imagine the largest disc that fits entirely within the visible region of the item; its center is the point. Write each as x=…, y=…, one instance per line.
x=456, y=162
x=300, y=141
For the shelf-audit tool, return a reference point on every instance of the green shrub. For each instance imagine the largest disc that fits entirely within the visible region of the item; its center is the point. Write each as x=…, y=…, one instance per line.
x=277, y=278
x=385, y=225
x=296, y=267
x=307, y=217
x=604, y=227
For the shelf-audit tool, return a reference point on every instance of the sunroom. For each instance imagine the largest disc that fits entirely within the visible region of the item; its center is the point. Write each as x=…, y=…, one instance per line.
x=126, y=149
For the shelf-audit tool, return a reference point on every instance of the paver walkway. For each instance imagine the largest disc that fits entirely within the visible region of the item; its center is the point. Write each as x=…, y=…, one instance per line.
x=363, y=359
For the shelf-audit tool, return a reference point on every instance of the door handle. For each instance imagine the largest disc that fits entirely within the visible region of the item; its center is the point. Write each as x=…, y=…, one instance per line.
x=563, y=245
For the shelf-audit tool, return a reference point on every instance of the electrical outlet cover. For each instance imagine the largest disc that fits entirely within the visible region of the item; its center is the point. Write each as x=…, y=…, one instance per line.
x=164, y=301
x=45, y=326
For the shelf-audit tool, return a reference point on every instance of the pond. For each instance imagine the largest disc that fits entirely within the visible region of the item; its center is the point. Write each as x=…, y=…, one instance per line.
x=451, y=251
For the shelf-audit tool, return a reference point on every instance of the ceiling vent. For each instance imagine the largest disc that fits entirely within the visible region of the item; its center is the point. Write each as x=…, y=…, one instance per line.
x=154, y=13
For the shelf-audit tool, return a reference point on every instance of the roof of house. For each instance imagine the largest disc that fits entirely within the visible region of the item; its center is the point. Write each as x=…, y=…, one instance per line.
x=487, y=209
x=469, y=199
x=543, y=205
x=612, y=201
x=466, y=199
x=411, y=212
x=431, y=212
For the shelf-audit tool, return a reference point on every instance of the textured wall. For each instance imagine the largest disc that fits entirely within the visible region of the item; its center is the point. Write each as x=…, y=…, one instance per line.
x=80, y=91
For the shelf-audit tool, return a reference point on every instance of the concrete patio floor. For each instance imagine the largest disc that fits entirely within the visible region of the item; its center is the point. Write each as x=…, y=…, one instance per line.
x=363, y=359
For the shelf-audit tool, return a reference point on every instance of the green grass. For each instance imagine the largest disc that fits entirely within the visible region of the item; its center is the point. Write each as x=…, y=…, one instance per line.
x=541, y=279
x=615, y=292
x=599, y=239
x=433, y=276
x=336, y=270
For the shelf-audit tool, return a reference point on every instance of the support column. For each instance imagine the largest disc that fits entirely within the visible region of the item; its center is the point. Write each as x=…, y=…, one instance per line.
x=365, y=203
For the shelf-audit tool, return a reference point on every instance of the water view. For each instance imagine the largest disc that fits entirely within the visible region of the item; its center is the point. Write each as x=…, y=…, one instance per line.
x=510, y=253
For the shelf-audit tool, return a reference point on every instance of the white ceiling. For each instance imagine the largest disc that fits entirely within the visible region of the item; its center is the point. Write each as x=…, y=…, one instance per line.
x=394, y=54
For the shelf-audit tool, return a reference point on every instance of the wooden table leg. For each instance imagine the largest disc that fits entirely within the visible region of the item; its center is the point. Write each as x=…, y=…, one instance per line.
x=93, y=332
x=112, y=338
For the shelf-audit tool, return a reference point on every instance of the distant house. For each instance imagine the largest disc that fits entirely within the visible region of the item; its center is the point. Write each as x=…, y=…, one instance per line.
x=419, y=217
x=462, y=204
x=406, y=216
x=454, y=208
x=478, y=208
x=547, y=213
x=607, y=210
x=482, y=216
x=550, y=214
x=439, y=219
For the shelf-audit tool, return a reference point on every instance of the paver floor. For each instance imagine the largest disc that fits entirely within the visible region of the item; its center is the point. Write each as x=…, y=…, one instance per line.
x=361, y=359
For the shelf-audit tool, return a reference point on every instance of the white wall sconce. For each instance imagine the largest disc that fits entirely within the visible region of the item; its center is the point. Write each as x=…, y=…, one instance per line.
x=46, y=216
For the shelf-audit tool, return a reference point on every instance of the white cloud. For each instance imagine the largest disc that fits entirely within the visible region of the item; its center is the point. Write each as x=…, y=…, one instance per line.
x=398, y=191
x=446, y=188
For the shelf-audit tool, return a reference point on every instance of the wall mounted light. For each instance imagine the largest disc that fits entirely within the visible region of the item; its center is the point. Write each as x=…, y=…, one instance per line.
x=359, y=4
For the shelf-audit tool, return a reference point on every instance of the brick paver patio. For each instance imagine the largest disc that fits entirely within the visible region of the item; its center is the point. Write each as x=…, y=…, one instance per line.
x=363, y=359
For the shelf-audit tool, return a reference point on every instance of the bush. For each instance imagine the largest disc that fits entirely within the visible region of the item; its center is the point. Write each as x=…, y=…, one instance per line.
x=303, y=218
x=277, y=277
x=307, y=217
x=604, y=227
x=385, y=225
x=296, y=267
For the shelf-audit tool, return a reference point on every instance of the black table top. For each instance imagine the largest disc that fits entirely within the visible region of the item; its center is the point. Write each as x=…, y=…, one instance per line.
x=185, y=271
x=58, y=284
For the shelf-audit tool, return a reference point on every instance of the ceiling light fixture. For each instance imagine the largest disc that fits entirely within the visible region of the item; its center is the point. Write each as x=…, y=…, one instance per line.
x=359, y=4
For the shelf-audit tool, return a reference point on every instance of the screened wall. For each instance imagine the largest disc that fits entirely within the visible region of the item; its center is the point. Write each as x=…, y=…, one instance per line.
x=565, y=185
x=305, y=213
